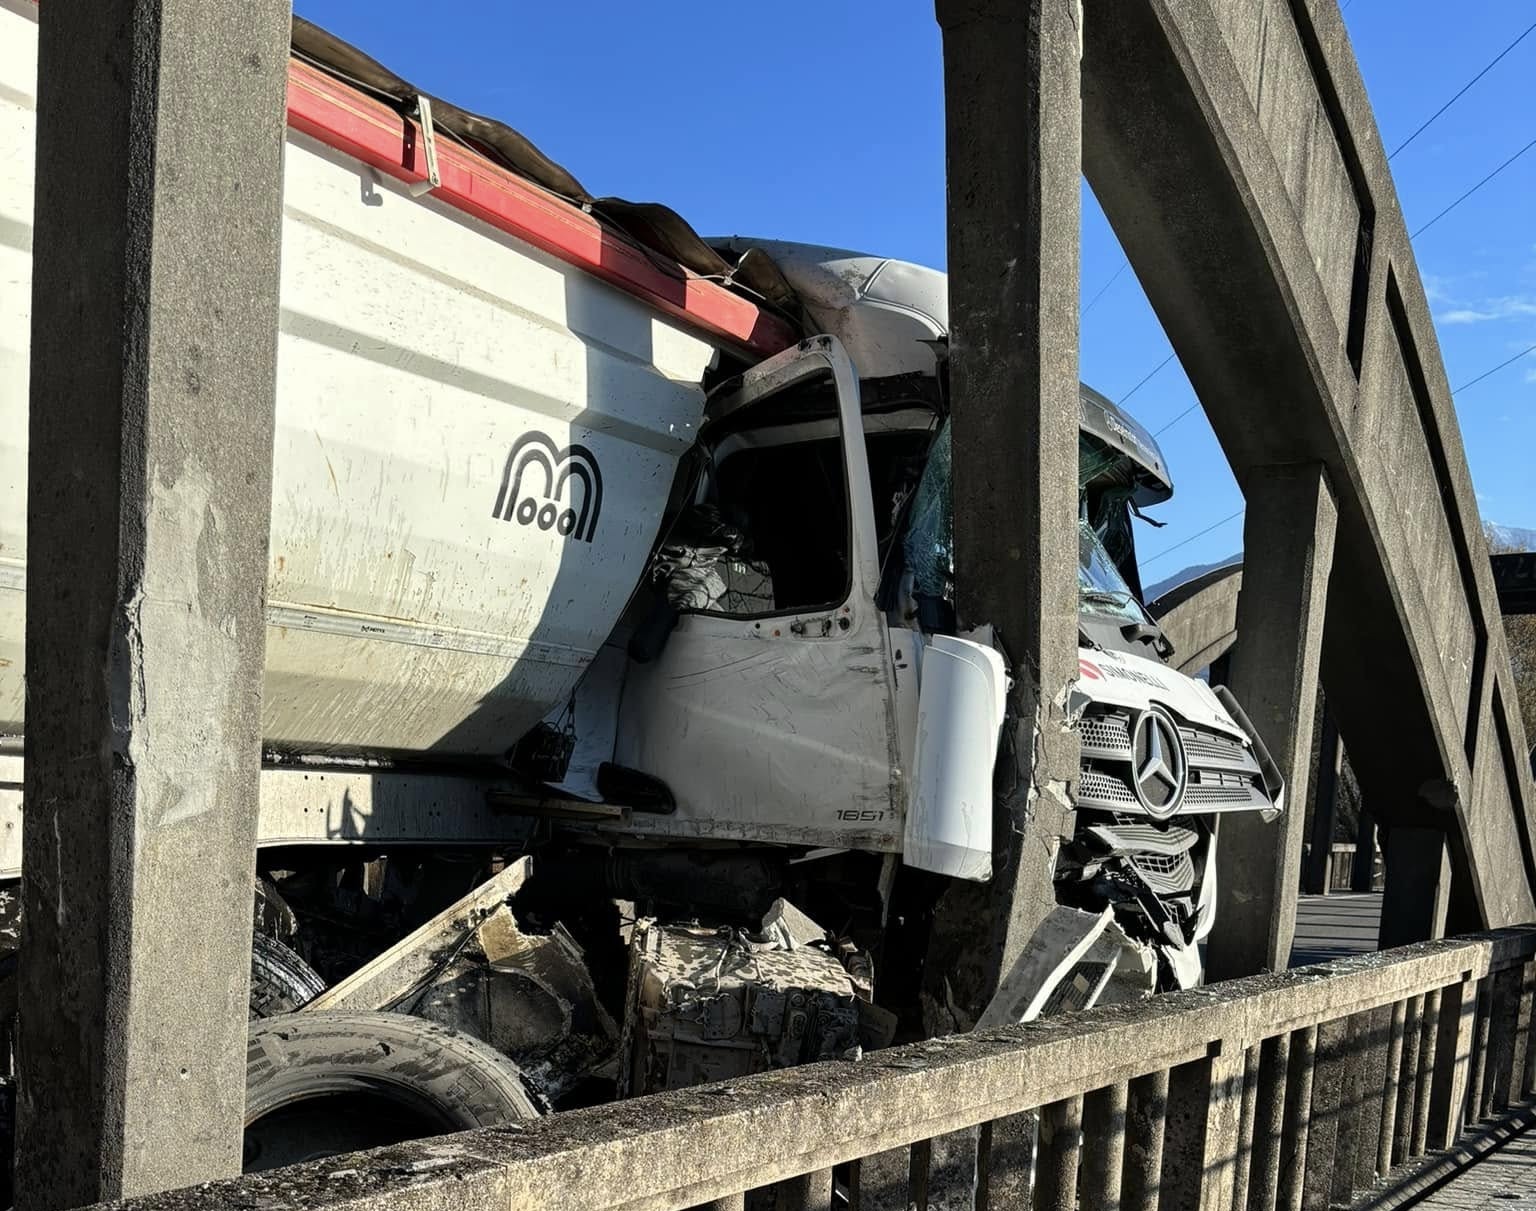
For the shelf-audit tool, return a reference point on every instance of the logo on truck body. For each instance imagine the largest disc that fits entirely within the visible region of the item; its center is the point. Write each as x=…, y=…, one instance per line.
x=536, y=487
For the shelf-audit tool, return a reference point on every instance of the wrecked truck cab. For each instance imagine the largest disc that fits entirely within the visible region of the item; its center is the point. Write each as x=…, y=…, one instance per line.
x=1163, y=756
x=780, y=655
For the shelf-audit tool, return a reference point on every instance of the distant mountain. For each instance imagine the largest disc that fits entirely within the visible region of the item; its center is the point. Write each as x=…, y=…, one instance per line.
x=1509, y=538
x=1154, y=591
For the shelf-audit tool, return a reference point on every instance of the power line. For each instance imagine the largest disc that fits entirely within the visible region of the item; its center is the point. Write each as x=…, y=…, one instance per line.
x=1473, y=190
x=1213, y=526
x=1145, y=379
x=1099, y=293
x=1458, y=94
x=1177, y=419
x=1510, y=361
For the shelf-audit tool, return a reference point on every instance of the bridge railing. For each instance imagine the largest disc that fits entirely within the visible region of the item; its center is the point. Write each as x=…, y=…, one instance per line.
x=1339, y=869
x=1300, y=1089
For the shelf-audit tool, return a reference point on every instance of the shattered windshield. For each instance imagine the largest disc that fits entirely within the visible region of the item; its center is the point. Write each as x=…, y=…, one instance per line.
x=930, y=554
x=1100, y=587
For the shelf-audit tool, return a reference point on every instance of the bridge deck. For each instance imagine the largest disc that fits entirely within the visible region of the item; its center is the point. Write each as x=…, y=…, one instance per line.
x=1499, y=1178
x=1503, y=1176
x=1332, y=926
x=1505, y=1179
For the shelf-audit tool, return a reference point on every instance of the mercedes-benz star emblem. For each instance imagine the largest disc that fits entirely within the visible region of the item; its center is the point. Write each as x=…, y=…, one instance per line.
x=1160, y=768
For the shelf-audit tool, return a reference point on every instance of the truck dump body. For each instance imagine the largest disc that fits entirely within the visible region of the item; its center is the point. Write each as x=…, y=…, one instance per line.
x=475, y=443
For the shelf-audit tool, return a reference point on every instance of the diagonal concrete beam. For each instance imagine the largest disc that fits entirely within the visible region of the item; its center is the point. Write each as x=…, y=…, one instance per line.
x=1233, y=148
x=1200, y=618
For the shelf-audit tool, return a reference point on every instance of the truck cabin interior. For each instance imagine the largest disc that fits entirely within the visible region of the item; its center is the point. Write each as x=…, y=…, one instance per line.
x=767, y=504
x=762, y=526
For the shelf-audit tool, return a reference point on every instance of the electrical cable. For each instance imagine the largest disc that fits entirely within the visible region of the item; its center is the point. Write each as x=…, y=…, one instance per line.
x=1213, y=526
x=1177, y=419
x=1145, y=379
x=1509, y=361
x=1473, y=190
x=1098, y=294
x=1428, y=122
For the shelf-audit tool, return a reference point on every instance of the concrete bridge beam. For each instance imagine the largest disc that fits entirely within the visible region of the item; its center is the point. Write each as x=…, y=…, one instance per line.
x=1200, y=618
x=1418, y=886
x=1291, y=518
x=160, y=129
x=1234, y=151
x=1325, y=812
x=1011, y=83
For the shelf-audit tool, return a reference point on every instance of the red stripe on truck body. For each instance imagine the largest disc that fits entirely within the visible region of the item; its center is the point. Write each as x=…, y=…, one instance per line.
x=338, y=115
x=343, y=117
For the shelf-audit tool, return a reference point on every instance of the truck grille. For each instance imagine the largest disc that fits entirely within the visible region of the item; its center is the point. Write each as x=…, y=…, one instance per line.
x=1223, y=773
x=1105, y=790
x=1162, y=856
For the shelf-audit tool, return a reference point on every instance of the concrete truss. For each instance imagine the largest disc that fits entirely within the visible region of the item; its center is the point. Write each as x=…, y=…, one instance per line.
x=1234, y=150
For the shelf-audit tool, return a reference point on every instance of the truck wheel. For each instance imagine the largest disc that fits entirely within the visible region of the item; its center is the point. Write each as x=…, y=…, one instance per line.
x=280, y=981
x=321, y=1084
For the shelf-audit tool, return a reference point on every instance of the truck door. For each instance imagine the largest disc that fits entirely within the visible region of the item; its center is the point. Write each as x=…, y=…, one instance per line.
x=769, y=712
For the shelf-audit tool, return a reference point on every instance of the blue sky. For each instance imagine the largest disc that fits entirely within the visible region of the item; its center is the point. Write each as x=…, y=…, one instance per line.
x=824, y=122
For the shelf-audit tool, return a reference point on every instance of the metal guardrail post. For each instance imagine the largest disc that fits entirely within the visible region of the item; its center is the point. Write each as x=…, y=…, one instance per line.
x=922, y=1158
x=1010, y=1155
x=881, y=1181
x=808, y=1192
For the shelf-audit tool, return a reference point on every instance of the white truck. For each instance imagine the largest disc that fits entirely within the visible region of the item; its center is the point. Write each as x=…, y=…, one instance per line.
x=613, y=564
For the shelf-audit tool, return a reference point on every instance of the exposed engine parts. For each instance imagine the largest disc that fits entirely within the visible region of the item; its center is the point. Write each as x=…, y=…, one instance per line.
x=708, y=1004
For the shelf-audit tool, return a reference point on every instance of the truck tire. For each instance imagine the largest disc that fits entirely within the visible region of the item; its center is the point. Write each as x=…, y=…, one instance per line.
x=280, y=981
x=322, y=1084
